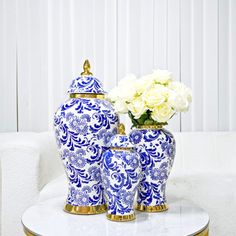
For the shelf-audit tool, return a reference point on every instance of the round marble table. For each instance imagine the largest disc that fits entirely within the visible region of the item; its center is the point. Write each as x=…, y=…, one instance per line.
x=48, y=219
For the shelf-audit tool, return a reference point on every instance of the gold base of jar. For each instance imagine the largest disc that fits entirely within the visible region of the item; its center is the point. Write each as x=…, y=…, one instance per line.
x=85, y=210
x=121, y=218
x=158, y=208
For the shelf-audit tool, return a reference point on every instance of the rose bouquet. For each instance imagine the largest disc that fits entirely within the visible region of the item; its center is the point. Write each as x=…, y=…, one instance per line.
x=152, y=99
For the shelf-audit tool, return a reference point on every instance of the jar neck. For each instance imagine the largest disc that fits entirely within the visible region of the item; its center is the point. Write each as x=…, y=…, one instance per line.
x=149, y=126
x=87, y=95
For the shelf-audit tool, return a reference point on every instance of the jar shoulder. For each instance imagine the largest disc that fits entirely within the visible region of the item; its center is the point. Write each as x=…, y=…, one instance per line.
x=151, y=135
x=87, y=106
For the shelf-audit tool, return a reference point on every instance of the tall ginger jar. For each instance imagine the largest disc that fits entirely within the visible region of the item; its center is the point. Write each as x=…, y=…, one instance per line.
x=83, y=125
x=156, y=147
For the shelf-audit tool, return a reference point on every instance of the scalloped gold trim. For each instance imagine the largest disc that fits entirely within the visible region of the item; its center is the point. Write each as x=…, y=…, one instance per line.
x=87, y=95
x=85, y=210
x=158, y=208
x=121, y=218
x=150, y=126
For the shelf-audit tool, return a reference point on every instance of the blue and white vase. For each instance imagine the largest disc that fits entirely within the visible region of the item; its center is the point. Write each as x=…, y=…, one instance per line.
x=156, y=147
x=83, y=126
x=121, y=169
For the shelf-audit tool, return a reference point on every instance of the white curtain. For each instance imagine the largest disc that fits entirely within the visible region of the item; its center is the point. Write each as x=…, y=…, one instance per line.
x=43, y=44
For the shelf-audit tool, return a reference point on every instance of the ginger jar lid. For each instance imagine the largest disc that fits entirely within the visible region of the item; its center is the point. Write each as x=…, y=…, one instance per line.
x=120, y=140
x=86, y=83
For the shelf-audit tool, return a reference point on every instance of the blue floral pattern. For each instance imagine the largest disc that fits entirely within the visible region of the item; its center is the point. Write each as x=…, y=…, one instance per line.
x=86, y=84
x=120, y=141
x=121, y=173
x=157, y=150
x=136, y=136
x=79, y=124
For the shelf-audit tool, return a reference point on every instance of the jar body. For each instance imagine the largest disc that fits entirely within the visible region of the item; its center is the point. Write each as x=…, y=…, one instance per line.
x=121, y=175
x=156, y=148
x=83, y=127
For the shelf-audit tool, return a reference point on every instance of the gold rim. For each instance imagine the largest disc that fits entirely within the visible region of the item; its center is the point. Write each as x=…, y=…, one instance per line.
x=158, y=208
x=204, y=232
x=150, y=126
x=85, y=210
x=87, y=95
x=121, y=148
x=29, y=232
x=121, y=218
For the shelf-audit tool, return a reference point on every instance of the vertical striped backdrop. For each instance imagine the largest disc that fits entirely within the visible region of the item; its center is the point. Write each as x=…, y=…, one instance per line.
x=43, y=44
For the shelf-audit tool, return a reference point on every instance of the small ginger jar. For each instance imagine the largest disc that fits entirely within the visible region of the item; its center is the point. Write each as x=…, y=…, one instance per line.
x=83, y=126
x=121, y=169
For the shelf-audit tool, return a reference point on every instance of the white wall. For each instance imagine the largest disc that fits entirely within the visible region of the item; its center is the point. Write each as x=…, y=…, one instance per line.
x=43, y=44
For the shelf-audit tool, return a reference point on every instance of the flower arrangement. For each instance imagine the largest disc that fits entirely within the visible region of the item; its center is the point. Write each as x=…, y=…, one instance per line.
x=152, y=99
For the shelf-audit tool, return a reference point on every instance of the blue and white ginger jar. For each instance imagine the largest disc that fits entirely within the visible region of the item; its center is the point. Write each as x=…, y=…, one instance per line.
x=83, y=126
x=156, y=147
x=121, y=169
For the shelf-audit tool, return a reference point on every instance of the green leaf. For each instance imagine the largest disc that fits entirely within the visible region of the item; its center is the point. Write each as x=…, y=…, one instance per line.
x=149, y=122
x=133, y=120
x=145, y=119
x=142, y=118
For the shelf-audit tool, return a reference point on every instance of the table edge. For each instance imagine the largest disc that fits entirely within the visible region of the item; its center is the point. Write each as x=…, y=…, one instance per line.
x=29, y=232
x=202, y=232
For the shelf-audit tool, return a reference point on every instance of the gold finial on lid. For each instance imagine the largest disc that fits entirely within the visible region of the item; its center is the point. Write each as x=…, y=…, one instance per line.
x=86, y=68
x=121, y=129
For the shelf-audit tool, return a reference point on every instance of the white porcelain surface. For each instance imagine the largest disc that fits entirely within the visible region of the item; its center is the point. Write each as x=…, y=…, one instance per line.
x=48, y=219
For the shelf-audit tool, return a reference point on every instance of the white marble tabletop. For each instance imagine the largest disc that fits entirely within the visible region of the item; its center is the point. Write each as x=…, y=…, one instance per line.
x=48, y=219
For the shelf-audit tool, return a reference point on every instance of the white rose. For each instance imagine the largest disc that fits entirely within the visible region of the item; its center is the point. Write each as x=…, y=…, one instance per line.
x=143, y=84
x=181, y=96
x=124, y=91
x=137, y=107
x=120, y=107
x=127, y=93
x=155, y=96
x=160, y=76
x=178, y=102
x=113, y=95
x=162, y=113
x=180, y=88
